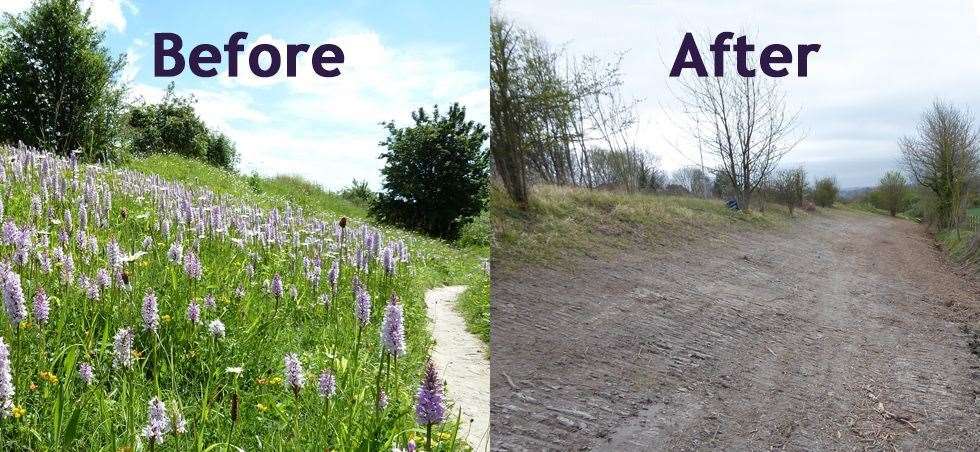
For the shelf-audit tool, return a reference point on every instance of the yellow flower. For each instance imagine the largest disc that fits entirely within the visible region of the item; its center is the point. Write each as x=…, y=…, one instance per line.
x=275, y=380
x=49, y=377
x=25, y=325
x=19, y=411
x=261, y=407
x=136, y=354
x=165, y=317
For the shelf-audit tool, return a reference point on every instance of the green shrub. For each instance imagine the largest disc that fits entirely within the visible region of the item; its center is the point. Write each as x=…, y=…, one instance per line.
x=825, y=192
x=436, y=173
x=476, y=232
x=892, y=193
x=791, y=187
x=359, y=193
x=172, y=126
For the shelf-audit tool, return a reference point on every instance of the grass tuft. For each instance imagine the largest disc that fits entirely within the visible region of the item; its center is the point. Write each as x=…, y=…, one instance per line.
x=567, y=221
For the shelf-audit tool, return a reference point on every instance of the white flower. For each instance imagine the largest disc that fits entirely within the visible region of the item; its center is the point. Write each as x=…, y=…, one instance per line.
x=217, y=328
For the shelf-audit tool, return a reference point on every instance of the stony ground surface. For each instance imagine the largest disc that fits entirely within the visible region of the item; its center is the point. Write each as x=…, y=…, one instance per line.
x=843, y=332
x=462, y=360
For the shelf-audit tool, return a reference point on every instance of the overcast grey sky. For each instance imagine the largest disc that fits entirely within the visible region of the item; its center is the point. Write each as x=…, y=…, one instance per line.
x=880, y=66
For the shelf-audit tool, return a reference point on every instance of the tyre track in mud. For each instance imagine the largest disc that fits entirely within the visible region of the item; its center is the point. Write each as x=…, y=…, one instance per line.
x=842, y=332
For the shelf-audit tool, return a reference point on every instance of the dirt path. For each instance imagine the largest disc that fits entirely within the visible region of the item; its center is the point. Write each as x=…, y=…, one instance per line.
x=841, y=333
x=462, y=361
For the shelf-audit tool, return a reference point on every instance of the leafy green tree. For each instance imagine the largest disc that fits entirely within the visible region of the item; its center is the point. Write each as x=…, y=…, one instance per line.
x=825, y=192
x=172, y=126
x=59, y=87
x=436, y=173
x=891, y=193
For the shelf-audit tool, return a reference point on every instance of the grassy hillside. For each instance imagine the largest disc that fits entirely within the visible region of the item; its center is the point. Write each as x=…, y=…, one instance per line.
x=563, y=221
x=445, y=263
x=204, y=314
x=440, y=263
x=268, y=191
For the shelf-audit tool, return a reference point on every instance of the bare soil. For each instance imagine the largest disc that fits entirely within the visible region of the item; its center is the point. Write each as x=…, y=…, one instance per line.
x=844, y=332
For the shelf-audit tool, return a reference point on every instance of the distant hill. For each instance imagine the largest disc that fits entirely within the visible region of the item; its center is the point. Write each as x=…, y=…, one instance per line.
x=852, y=193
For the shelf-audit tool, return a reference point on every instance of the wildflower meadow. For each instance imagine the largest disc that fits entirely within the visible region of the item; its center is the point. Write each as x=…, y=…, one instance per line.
x=146, y=314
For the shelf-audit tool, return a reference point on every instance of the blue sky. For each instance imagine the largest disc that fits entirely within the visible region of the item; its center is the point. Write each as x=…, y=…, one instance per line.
x=399, y=55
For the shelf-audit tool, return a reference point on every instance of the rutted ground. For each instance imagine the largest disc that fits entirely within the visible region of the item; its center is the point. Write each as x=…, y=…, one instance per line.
x=843, y=332
x=461, y=358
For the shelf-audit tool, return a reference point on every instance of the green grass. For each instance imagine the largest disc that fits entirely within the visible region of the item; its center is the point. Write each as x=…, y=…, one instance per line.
x=441, y=263
x=476, y=233
x=474, y=304
x=864, y=206
x=268, y=192
x=182, y=363
x=562, y=222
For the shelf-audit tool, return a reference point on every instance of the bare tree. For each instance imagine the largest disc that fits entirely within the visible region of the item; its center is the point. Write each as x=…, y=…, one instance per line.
x=943, y=156
x=744, y=123
x=693, y=179
x=892, y=190
x=791, y=187
x=506, y=116
x=560, y=121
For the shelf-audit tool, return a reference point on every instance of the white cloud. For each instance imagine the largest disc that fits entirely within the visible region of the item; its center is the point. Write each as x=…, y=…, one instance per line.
x=327, y=129
x=105, y=13
x=976, y=13
x=881, y=64
x=14, y=6
x=134, y=53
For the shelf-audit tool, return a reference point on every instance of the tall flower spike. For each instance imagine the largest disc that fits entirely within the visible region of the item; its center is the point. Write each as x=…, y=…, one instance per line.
x=86, y=373
x=277, y=289
x=41, y=307
x=6, y=381
x=123, y=348
x=105, y=281
x=192, y=266
x=115, y=255
x=151, y=317
x=194, y=312
x=157, y=423
x=362, y=305
x=333, y=275
x=388, y=261
x=175, y=253
x=430, y=409
x=393, y=328
x=327, y=385
x=13, y=298
x=293, y=373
